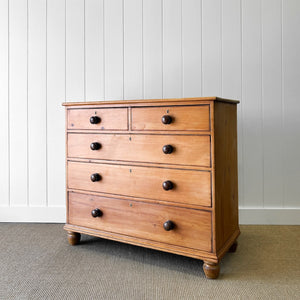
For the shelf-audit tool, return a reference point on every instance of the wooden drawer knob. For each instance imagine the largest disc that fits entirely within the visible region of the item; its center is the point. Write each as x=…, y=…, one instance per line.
x=95, y=120
x=167, y=149
x=169, y=225
x=95, y=146
x=96, y=213
x=166, y=119
x=167, y=185
x=95, y=177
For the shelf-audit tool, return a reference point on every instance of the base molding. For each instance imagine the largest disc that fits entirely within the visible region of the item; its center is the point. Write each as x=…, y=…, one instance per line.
x=269, y=216
x=152, y=244
x=57, y=214
x=33, y=214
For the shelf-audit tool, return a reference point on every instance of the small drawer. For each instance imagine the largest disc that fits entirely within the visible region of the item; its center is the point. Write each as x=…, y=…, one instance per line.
x=172, y=185
x=191, y=150
x=167, y=224
x=98, y=119
x=193, y=118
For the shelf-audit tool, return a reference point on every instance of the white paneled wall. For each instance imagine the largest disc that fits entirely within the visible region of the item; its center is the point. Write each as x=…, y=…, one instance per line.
x=53, y=51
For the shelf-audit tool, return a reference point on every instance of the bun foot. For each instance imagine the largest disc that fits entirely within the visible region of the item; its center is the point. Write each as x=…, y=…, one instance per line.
x=233, y=247
x=211, y=270
x=73, y=238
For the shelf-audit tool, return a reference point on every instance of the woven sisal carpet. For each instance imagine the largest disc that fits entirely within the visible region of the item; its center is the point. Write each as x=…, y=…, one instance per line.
x=36, y=262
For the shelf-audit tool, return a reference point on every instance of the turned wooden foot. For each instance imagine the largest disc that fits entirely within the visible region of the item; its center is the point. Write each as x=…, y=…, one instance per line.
x=211, y=270
x=233, y=247
x=73, y=238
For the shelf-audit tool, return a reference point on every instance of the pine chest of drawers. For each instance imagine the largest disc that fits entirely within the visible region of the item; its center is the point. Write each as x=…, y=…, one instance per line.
x=155, y=173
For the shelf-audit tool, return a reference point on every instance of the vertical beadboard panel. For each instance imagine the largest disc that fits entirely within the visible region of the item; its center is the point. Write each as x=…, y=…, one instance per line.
x=18, y=102
x=152, y=48
x=231, y=49
x=231, y=71
x=37, y=144
x=113, y=51
x=133, y=49
x=172, y=51
x=211, y=48
x=272, y=103
x=75, y=50
x=291, y=109
x=94, y=50
x=4, y=111
x=191, y=48
x=252, y=103
x=55, y=96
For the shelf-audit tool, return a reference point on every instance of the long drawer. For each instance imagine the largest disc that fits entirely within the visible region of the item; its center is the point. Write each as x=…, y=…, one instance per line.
x=186, y=149
x=191, y=228
x=171, y=118
x=189, y=186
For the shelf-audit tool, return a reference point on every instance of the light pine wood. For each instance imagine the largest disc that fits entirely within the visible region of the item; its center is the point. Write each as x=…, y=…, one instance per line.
x=183, y=118
x=143, y=220
x=193, y=187
x=192, y=150
x=152, y=102
x=111, y=119
x=226, y=180
x=147, y=200
x=190, y=252
x=130, y=202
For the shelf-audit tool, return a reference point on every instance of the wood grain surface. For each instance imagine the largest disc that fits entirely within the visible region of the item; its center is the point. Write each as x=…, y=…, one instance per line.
x=183, y=118
x=158, y=173
x=144, y=220
x=111, y=119
x=193, y=187
x=188, y=149
x=226, y=178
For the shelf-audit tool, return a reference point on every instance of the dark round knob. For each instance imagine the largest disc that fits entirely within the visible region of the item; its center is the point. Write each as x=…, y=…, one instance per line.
x=167, y=185
x=95, y=146
x=96, y=213
x=169, y=225
x=166, y=119
x=95, y=120
x=167, y=149
x=95, y=177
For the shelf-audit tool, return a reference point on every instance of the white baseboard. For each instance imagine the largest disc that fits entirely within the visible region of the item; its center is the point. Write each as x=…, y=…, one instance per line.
x=269, y=216
x=53, y=214
x=276, y=216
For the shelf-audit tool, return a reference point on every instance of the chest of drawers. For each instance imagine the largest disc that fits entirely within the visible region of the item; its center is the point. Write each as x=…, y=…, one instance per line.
x=155, y=173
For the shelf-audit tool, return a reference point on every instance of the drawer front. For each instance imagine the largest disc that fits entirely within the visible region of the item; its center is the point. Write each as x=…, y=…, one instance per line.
x=182, y=118
x=108, y=119
x=191, y=187
x=143, y=220
x=187, y=150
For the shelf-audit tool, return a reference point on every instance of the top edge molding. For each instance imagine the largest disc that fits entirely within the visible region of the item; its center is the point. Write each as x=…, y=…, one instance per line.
x=179, y=100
